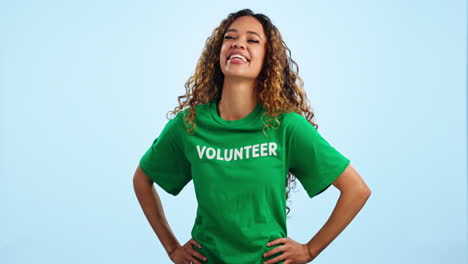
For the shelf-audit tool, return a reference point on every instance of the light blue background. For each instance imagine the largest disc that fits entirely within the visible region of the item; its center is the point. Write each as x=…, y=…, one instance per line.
x=86, y=85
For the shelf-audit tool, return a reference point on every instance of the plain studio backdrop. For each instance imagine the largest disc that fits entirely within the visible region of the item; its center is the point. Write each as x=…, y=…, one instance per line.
x=86, y=85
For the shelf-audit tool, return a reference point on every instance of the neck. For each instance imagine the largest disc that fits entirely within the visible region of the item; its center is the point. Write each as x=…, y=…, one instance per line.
x=238, y=98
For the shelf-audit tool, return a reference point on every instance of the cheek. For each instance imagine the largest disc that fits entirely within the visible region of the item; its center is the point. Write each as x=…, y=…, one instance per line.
x=260, y=57
x=263, y=53
x=223, y=51
x=222, y=61
x=260, y=53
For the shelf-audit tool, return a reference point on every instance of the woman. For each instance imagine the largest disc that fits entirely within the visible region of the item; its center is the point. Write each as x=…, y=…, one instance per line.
x=246, y=135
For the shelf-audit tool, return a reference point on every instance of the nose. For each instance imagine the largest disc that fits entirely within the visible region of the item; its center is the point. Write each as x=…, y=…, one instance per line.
x=238, y=44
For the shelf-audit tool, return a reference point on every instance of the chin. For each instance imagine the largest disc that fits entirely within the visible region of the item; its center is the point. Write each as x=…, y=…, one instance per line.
x=235, y=74
x=245, y=77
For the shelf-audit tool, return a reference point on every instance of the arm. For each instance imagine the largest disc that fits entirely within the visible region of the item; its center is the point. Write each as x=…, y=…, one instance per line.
x=354, y=194
x=153, y=210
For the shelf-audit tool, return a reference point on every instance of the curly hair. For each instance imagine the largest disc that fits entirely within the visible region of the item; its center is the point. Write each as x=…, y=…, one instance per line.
x=279, y=87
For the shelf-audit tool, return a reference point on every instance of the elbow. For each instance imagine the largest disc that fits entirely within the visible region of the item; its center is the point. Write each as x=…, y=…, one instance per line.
x=358, y=192
x=367, y=192
x=364, y=193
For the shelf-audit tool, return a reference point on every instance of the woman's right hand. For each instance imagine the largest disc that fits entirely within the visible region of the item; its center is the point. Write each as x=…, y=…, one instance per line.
x=185, y=254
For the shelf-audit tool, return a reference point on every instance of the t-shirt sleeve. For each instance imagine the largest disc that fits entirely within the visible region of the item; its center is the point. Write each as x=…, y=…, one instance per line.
x=314, y=162
x=165, y=162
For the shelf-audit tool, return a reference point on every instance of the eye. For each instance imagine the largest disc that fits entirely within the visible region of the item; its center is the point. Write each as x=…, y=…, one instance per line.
x=250, y=40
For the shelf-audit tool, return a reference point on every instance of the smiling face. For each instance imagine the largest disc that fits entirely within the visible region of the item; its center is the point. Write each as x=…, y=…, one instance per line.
x=244, y=36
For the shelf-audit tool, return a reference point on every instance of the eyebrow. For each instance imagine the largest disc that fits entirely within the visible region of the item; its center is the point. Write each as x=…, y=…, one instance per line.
x=251, y=32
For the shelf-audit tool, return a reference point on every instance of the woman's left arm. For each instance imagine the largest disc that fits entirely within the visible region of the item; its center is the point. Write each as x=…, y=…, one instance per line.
x=354, y=194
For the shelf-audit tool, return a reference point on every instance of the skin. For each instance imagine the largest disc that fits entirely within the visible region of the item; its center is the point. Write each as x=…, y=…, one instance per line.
x=354, y=193
x=151, y=204
x=238, y=99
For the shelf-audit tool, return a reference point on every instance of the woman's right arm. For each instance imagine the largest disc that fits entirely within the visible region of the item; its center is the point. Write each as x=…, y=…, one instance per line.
x=153, y=210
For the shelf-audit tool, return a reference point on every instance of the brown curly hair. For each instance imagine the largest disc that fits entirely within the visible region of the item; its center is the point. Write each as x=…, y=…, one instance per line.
x=279, y=87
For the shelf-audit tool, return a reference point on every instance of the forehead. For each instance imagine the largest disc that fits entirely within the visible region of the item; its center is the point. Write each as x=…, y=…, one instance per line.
x=247, y=23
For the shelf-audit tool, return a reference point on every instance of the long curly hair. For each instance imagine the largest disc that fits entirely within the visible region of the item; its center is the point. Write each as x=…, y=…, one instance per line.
x=279, y=87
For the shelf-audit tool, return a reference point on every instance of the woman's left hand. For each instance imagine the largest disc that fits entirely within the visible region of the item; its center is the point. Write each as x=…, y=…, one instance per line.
x=293, y=252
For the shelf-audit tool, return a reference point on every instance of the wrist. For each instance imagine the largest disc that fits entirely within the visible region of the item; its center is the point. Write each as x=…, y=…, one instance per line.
x=172, y=249
x=313, y=252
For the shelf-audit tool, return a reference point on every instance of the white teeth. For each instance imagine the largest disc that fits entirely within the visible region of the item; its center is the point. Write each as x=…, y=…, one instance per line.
x=238, y=56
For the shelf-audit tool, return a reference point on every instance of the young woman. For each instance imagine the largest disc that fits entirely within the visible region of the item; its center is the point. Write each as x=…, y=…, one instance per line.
x=246, y=134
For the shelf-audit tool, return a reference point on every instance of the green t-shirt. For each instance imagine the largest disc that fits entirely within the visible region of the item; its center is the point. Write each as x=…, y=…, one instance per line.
x=239, y=176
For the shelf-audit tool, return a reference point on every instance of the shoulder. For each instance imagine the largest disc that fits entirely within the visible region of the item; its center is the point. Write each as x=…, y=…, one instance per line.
x=181, y=117
x=199, y=109
x=292, y=119
x=297, y=126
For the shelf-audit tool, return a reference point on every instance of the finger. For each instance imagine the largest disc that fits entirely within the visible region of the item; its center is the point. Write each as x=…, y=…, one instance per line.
x=197, y=254
x=277, y=241
x=275, y=260
x=194, y=260
x=186, y=262
x=274, y=251
x=195, y=243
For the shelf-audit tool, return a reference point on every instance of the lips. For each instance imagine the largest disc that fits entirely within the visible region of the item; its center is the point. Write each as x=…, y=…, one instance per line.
x=239, y=53
x=236, y=60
